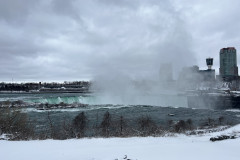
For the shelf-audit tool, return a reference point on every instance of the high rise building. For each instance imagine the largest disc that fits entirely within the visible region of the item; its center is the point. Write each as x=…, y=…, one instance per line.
x=228, y=64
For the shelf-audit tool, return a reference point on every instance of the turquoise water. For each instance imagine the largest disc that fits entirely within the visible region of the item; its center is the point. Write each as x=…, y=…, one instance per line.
x=95, y=99
x=64, y=99
x=68, y=98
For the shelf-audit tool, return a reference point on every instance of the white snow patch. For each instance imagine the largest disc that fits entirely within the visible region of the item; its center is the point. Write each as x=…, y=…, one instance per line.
x=3, y=137
x=148, y=148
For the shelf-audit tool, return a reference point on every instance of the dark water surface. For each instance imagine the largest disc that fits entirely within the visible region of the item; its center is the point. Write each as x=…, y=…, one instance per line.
x=131, y=111
x=131, y=114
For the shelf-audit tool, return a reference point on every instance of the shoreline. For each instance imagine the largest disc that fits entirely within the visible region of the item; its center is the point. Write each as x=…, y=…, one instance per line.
x=43, y=92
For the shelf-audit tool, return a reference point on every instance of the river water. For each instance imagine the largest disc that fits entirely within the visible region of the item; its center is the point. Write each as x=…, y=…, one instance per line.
x=161, y=108
x=96, y=99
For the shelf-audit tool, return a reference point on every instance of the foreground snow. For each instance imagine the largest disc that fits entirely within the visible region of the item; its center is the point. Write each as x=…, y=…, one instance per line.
x=150, y=148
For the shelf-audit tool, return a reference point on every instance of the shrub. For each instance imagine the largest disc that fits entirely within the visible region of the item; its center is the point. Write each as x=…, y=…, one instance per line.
x=147, y=126
x=180, y=126
x=16, y=124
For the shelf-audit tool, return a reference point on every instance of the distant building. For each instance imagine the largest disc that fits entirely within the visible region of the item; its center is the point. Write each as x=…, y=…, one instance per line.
x=194, y=74
x=228, y=64
x=191, y=77
x=209, y=74
x=189, y=74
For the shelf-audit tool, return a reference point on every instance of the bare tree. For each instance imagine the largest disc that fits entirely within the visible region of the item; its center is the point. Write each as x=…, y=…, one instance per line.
x=119, y=127
x=220, y=120
x=211, y=122
x=122, y=123
x=105, y=125
x=147, y=126
x=67, y=129
x=80, y=123
x=50, y=122
x=189, y=124
x=180, y=126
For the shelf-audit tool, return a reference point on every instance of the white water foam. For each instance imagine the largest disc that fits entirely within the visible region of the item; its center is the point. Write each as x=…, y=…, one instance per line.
x=233, y=110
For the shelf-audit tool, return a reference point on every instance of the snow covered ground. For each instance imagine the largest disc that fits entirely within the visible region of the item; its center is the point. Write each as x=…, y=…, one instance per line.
x=179, y=147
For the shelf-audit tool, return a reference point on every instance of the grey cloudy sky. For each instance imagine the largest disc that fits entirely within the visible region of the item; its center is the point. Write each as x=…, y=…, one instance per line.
x=57, y=40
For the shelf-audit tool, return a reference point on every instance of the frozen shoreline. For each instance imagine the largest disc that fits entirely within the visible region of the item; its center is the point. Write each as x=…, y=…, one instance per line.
x=147, y=148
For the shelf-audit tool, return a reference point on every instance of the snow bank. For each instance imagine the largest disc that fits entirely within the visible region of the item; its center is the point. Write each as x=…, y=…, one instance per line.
x=149, y=148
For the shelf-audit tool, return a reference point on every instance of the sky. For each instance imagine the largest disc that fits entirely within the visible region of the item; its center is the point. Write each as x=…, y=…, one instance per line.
x=58, y=40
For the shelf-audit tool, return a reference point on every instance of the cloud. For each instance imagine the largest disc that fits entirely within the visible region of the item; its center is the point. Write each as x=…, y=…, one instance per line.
x=213, y=25
x=72, y=40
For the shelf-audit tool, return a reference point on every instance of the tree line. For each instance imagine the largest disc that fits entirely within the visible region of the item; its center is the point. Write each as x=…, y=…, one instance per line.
x=17, y=126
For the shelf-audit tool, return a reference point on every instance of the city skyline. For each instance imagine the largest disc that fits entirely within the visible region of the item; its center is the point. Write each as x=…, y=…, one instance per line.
x=57, y=40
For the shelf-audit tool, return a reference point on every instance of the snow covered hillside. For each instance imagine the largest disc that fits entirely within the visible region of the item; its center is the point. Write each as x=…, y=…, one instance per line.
x=149, y=148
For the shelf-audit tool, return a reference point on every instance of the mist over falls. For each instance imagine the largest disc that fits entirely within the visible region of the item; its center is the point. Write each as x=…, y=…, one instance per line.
x=119, y=88
x=141, y=70
x=134, y=73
